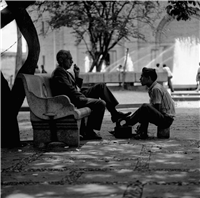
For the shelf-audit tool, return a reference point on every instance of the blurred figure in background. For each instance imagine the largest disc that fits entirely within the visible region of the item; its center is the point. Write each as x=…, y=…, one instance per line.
x=170, y=76
x=198, y=79
x=158, y=66
x=43, y=70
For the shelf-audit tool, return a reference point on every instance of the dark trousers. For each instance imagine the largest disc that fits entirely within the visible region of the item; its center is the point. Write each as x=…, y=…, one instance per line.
x=148, y=114
x=99, y=97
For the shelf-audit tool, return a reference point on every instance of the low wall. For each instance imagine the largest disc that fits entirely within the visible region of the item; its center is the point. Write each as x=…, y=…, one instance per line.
x=118, y=77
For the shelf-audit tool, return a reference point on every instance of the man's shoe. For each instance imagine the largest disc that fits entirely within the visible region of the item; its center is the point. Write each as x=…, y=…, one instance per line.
x=127, y=120
x=140, y=133
x=119, y=116
x=92, y=136
x=141, y=136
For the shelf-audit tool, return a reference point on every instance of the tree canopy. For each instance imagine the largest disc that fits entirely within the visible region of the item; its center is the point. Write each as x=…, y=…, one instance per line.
x=183, y=10
x=101, y=25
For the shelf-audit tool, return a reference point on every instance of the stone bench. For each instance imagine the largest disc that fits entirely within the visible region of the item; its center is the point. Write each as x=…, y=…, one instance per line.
x=53, y=118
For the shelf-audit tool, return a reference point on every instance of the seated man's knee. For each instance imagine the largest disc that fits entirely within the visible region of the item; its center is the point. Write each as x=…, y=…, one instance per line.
x=101, y=104
x=145, y=108
x=101, y=85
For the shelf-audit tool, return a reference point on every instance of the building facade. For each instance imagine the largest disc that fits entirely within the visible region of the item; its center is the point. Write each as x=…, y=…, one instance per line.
x=174, y=43
x=166, y=45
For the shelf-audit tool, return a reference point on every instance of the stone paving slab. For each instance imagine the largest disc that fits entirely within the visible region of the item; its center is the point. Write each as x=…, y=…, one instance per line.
x=161, y=190
x=105, y=169
x=66, y=191
x=176, y=190
x=109, y=167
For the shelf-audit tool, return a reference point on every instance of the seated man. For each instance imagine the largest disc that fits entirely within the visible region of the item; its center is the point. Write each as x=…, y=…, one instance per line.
x=96, y=97
x=160, y=111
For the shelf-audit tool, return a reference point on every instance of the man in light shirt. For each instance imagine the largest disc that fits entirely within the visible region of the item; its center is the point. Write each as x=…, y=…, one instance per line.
x=160, y=111
x=169, y=77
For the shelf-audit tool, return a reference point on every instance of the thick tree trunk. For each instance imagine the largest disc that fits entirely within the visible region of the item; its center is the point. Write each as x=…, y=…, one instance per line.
x=12, y=100
x=28, y=30
x=9, y=125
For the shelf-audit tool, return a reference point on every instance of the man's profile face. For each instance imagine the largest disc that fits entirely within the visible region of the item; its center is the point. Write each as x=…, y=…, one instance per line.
x=67, y=61
x=144, y=80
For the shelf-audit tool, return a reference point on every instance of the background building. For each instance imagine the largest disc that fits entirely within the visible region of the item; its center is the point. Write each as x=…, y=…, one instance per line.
x=174, y=43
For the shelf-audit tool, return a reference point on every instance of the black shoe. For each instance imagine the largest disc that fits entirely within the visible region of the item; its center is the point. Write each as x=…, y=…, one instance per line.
x=141, y=136
x=138, y=129
x=119, y=116
x=92, y=136
x=141, y=133
x=127, y=120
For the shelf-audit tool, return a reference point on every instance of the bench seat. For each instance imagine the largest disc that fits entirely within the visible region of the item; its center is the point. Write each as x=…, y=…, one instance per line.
x=53, y=118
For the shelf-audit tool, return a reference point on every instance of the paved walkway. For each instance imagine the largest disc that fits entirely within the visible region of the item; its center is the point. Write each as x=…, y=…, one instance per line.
x=151, y=168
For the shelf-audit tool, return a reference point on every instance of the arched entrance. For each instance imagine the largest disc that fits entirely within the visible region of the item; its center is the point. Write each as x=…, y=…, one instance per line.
x=180, y=44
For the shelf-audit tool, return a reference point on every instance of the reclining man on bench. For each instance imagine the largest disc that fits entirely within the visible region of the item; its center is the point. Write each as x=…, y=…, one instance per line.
x=97, y=97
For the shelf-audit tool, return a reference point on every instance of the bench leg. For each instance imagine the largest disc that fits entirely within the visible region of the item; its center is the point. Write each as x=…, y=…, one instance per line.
x=163, y=133
x=67, y=131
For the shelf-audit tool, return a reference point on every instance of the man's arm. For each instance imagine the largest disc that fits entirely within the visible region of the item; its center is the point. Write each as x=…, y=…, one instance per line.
x=79, y=81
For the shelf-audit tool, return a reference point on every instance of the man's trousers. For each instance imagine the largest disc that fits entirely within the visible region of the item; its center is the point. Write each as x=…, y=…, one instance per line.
x=148, y=114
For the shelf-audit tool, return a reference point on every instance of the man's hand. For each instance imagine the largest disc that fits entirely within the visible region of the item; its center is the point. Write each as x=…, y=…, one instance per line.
x=76, y=71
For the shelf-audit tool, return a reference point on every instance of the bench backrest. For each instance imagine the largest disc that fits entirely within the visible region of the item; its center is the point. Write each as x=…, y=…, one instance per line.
x=38, y=84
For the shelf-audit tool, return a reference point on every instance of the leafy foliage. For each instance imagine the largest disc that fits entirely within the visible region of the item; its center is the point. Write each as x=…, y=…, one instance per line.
x=183, y=10
x=101, y=25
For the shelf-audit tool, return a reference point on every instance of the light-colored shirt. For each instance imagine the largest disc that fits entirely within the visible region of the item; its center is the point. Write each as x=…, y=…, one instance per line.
x=167, y=69
x=198, y=75
x=159, y=95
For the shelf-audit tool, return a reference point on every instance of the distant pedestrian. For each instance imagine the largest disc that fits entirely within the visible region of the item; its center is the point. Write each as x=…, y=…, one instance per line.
x=158, y=68
x=198, y=79
x=43, y=70
x=169, y=77
x=37, y=71
x=120, y=68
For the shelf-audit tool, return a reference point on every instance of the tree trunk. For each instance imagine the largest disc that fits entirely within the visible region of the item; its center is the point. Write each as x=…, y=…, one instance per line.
x=18, y=62
x=12, y=100
x=28, y=30
x=9, y=125
x=95, y=63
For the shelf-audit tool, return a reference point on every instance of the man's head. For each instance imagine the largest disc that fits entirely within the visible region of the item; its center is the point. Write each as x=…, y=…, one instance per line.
x=148, y=76
x=64, y=59
x=164, y=65
x=157, y=65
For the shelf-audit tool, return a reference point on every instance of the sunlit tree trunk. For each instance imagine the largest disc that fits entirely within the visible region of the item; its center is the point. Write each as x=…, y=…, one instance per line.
x=18, y=62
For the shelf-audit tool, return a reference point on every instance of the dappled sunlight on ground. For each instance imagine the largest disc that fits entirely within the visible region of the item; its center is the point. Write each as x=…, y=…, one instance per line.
x=105, y=168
